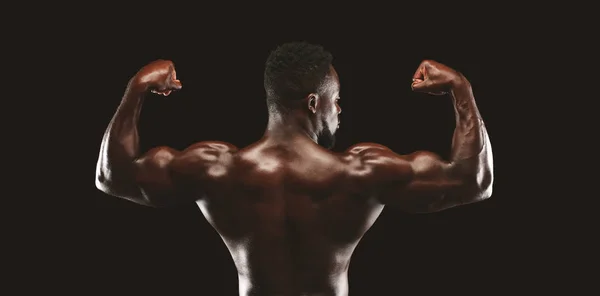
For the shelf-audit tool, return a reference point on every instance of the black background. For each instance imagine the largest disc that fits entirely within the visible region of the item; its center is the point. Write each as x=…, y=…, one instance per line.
x=113, y=247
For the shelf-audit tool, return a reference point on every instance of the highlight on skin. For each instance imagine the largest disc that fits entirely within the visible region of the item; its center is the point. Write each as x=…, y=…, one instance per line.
x=289, y=210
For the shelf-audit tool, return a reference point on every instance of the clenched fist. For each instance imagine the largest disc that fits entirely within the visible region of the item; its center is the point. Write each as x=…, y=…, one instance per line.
x=159, y=77
x=434, y=78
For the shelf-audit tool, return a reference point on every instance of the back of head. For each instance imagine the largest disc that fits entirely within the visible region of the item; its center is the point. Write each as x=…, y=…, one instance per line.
x=293, y=70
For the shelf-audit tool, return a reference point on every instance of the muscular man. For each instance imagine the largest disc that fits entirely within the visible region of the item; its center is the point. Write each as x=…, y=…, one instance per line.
x=290, y=211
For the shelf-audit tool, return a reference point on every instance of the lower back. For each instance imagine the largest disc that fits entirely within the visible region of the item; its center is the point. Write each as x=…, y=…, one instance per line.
x=290, y=263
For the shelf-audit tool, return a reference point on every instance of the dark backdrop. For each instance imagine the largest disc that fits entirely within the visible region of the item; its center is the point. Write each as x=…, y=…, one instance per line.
x=113, y=247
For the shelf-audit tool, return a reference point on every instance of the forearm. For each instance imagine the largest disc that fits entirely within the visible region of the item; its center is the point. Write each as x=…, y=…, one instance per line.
x=120, y=145
x=471, y=155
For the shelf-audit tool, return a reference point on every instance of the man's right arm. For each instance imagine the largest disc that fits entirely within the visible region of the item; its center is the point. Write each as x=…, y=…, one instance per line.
x=162, y=176
x=422, y=182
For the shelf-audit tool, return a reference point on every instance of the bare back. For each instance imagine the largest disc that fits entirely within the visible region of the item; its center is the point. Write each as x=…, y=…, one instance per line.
x=289, y=211
x=290, y=215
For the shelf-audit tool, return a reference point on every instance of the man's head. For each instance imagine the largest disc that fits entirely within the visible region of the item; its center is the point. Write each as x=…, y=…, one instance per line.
x=299, y=78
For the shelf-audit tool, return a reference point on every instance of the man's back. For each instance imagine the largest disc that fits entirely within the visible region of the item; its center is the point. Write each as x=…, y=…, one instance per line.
x=290, y=211
x=290, y=214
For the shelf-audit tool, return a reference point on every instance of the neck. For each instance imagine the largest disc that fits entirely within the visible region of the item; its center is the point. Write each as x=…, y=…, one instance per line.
x=289, y=125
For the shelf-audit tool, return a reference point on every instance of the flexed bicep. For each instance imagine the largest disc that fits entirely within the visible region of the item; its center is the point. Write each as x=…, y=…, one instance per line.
x=154, y=177
x=423, y=181
x=418, y=182
x=426, y=183
x=164, y=177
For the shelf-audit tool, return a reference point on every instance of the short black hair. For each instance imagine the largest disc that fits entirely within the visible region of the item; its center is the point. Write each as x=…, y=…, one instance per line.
x=295, y=69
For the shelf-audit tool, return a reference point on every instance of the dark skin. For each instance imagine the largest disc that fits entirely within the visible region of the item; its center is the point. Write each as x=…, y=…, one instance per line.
x=290, y=211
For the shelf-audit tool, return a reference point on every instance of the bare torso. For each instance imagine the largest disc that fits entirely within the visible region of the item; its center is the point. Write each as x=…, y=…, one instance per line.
x=289, y=214
x=289, y=211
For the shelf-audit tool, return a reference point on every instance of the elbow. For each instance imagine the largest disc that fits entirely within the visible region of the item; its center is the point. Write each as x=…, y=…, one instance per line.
x=107, y=185
x=480, y=186
x=103, y=179
x=485, y=183
x=483, y=192
x=123, y=192
x=103, y=184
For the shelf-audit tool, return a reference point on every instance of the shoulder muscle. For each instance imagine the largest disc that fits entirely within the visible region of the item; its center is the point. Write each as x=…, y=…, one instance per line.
x=164, y=174
x=204, y=159
x=372, y=163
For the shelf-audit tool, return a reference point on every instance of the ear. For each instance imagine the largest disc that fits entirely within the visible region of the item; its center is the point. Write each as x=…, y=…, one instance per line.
x=313, y=102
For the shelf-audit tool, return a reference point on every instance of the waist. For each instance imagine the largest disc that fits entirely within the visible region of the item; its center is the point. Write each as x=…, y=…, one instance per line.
x=284, y=285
